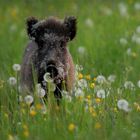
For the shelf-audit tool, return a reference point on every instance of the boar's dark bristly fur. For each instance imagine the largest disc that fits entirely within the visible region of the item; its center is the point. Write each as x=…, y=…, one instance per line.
x=47, y=52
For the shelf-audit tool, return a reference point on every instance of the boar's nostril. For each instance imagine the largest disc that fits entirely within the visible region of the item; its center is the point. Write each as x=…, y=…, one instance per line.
x=52, y=70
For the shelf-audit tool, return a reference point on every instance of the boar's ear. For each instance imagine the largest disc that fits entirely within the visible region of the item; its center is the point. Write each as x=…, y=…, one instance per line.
x=70, y=24
x=31, y=21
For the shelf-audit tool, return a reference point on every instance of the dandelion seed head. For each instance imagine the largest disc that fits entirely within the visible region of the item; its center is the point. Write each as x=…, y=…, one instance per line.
x=137, y=6
x=68, y=98
x=79, y=92
x=123, y=9
x=78, y=67
x=28, y=99
x=82, y=83
x=64, y=92
x=134, y=135
x=129, y=85
x=123, y=41
x=16, y=67
x=138, y=29
x=100, y=79
x=89, y=22
x=13, y=28
x=129, y=51
x=81, y=50
x=137, y=40
x=138, y=83
x=111, y=78
x=47, y=78
x=41, y=93
x=123, y=105
x=106, y=11
x=12, y=81
x=101, y=93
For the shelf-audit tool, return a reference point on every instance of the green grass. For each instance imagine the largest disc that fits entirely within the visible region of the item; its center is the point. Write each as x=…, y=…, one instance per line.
x=104, y=55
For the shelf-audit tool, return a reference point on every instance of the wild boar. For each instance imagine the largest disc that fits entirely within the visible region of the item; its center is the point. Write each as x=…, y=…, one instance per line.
x=47, y=52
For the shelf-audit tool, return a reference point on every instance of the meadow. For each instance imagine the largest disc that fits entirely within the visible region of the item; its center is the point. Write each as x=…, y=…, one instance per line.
x=105, y=103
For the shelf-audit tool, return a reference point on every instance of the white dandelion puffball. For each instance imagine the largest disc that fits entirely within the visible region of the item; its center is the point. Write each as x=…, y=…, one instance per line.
x=100, y=79
x=101, y=93
x=78, y=67
x=79, y=92
x=137, y=40
x=138, y=29
x=123, y=105
x=41, y=92
x=106, y=11
x=89, y=22
x=81, y=50
x=52, y=87
x=28, y=99
x=129, y=51
x=68, y=98
x=16, y=67
x=137, y=6
x=111, y=78
x=13, y=28
x=138, y=83
x=47, y=77
x=12, y=81
x=123, y=41
x=123, y=9
x=129, y=85
x=64, y=92
x=82, y=83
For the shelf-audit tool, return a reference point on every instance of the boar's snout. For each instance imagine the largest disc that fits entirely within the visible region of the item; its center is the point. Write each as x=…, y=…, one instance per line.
x=52, y=69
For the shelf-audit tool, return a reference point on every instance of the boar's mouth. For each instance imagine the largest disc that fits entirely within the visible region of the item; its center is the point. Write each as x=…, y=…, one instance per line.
x=52, y=70
x=56, y=73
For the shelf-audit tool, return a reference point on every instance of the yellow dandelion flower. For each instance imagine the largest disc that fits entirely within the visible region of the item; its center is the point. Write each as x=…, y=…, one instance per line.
x=94, y=78
x=98, y=100
x=32, y=113
x=80, y=98
x=80, y=75
x=138, y=108
x=71, y=127
x=134, y=55
x=10, y=137
x=1, y=84
x=14, y=12
x=25, y=127
x=88, y=77
x=97, y=125
x=91, y=109
x=38, y=106
x=88, y=97
x=115, y=109
x=26, y=133
x=94, y=114
x=92, y=85
x=88, y=102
